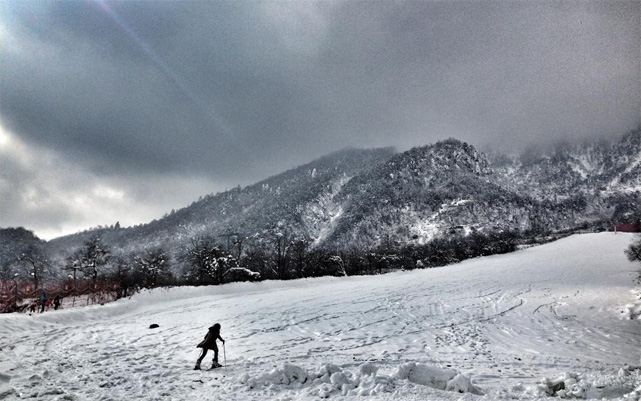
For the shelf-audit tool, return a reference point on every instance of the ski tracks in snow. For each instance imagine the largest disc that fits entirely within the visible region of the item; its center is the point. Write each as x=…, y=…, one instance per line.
x=502, y=320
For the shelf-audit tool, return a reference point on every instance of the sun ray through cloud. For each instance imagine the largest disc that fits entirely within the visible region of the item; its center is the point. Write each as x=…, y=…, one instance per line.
x=206, y=107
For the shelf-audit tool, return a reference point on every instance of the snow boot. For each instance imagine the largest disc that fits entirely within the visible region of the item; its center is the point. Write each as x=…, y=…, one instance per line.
x=197, y=367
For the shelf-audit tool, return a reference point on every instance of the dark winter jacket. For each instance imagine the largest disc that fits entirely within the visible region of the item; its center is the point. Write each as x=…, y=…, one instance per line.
x=210, y=339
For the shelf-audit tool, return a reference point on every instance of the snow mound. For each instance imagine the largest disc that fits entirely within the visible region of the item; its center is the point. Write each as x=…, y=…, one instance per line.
x=462, y=384
x=626, y=384
x=632, y=311
x=634, y=395
x=288, y=374
x=330, y=380
x=436, y=377
x=567, y=385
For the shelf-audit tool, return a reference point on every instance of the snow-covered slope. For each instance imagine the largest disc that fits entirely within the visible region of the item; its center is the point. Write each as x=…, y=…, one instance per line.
x=499, y=321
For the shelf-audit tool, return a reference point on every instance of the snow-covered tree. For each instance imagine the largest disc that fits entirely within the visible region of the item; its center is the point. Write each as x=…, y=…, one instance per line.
x=208, y=261
x=634, y=250
x=258, y=260
x=91, y=259
x=336, y=259
x=152, y=268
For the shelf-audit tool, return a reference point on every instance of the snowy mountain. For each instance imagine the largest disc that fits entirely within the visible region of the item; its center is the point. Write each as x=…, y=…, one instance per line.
x=431, y=191
x=372, y=197
x=597, y=181
x=16, y=241
x=299, y=201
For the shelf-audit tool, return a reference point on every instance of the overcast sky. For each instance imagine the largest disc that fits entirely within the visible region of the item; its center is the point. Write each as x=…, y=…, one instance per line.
x=121, y=111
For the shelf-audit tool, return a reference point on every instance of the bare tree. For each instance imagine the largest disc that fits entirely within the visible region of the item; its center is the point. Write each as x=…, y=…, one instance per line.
x=72, y=265
x=281, y=246
x=299, y=249
x=231, y=237
x=122, y=269
x=36, y=263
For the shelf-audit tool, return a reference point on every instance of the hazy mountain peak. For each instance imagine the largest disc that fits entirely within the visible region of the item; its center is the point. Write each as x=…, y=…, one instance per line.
x=450, y=155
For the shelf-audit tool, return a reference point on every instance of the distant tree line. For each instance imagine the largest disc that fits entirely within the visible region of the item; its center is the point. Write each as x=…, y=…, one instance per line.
x=206, y=260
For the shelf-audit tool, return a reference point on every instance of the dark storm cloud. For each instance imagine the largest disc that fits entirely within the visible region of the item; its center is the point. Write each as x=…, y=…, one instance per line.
x=490, y=72
x=233, y=91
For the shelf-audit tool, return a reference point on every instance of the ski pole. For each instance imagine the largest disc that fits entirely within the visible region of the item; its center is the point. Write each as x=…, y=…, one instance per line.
x=224, y=355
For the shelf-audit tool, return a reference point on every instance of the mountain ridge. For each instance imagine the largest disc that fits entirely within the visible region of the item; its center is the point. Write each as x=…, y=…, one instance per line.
x=364, y=197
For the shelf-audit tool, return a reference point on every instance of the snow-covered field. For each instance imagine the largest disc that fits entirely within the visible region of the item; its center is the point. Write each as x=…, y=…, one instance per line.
x=560, y=310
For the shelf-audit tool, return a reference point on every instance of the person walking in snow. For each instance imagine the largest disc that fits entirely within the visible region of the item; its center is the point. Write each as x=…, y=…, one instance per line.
x=34, y=306
x=43, y=301
x=210, y=343
x=56, y=302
